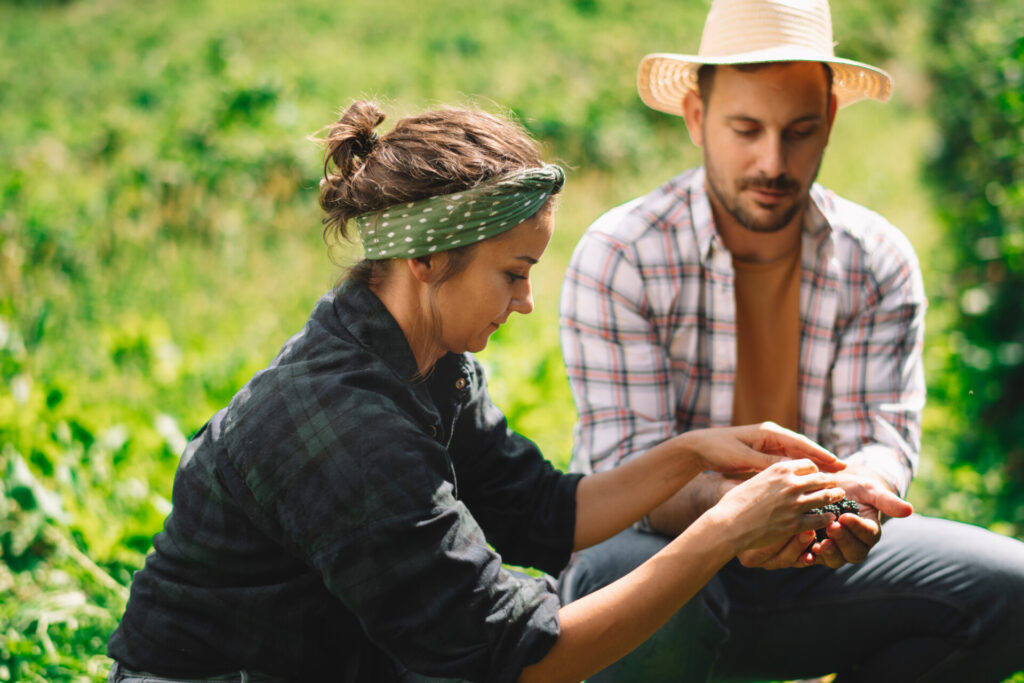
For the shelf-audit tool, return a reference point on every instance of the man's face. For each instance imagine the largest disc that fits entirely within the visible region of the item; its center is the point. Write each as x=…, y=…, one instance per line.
x=763, y=132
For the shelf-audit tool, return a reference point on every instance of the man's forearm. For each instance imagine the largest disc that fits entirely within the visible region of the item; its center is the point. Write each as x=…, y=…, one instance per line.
x=690, y=502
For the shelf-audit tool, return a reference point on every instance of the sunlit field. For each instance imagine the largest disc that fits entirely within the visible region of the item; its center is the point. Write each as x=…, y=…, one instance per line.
x=160, y=236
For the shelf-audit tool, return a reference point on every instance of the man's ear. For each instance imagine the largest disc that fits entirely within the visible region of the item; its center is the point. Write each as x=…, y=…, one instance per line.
x=833, y=107
x=693, y=112
x=424, y=268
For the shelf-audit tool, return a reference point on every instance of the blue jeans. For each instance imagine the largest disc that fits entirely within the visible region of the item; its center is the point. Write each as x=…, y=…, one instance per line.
x=934, y=601
x=119, y=674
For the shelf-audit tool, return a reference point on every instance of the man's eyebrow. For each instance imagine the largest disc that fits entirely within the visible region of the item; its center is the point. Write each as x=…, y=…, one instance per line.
x=529, y=259
x=741, y=118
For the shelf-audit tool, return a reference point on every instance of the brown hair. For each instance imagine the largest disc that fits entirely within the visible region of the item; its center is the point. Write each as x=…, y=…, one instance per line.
x=706, y=78
x=429, y=154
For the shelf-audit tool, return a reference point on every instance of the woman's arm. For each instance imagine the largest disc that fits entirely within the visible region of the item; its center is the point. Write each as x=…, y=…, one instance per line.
x=603, y=626
x=607, y=502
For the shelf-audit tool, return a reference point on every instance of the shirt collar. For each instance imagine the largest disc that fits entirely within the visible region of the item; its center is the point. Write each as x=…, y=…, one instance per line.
x=703, y=219
x=816, y=218
x=368, y=320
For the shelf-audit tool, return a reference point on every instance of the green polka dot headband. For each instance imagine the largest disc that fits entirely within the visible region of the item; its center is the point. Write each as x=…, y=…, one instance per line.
x=448, y=221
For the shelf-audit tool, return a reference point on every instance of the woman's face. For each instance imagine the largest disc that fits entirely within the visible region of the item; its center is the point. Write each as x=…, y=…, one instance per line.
x=495, y=284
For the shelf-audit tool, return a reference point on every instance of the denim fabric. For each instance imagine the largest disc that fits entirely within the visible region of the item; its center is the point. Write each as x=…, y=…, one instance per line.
x=934, y=601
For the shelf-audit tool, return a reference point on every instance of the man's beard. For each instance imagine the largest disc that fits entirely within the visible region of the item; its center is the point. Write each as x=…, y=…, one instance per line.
x=732, y=204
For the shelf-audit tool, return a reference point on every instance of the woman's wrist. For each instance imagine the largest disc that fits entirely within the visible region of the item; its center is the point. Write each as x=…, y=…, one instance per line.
x=720, y=536
x=689, y=459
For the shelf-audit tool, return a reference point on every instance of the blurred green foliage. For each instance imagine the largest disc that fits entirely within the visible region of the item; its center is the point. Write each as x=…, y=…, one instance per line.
x=160, y=236
x=977, y=172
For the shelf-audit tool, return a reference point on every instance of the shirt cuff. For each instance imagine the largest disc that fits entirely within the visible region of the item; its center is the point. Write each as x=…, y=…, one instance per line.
x=887, y=462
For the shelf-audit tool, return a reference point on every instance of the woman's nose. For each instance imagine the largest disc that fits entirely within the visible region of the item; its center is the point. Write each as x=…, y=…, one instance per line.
x=522, y=302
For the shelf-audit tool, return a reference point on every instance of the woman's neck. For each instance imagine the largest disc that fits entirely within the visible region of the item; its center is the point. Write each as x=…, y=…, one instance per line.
x=408, y=301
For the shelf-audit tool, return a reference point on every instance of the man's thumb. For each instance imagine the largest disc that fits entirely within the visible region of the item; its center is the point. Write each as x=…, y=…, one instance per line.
x=891, y=505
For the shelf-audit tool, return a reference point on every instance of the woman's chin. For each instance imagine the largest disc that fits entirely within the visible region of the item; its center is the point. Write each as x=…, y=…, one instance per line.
x=478, y=345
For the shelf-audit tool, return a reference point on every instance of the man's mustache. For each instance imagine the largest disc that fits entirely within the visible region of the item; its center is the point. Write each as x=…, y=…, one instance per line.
x=776, y=184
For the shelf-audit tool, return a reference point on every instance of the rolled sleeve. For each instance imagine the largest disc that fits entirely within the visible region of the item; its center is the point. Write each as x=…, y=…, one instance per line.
x=389, y=539
x=436, y=599
x=525, y=506
x=878, y=377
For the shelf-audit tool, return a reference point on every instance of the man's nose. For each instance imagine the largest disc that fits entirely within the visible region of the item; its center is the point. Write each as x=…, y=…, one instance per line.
x=772, y=156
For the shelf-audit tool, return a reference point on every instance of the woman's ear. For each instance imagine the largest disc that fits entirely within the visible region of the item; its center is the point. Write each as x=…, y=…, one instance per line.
x=424, y=268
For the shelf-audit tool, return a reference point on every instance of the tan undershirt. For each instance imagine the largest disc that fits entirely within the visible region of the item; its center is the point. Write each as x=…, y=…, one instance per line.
x=767, y=341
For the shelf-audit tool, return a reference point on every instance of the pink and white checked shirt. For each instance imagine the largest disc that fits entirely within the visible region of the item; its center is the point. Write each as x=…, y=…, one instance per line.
x=648, y=322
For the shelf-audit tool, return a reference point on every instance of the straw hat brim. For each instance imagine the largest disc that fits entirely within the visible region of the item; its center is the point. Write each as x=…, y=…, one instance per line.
x=663, y=79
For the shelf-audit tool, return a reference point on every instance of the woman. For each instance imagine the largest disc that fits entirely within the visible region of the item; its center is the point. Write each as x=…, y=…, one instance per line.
x=347, y=515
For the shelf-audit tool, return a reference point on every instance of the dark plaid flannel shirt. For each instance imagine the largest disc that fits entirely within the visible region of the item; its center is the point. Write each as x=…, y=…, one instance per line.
x=336, y=517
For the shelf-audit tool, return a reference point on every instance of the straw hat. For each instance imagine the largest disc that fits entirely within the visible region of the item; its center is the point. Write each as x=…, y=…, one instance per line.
x=757, y=31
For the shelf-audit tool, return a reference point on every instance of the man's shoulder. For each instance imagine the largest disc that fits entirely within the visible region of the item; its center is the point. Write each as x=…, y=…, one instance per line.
x=666, y=207
x=856, y=227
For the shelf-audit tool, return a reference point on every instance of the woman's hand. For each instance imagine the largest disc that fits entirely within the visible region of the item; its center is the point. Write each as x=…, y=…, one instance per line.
x=608, y=501
x=750, y=448
x=772, y=506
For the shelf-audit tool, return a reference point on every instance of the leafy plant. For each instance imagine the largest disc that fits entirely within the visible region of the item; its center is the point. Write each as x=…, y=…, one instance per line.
x=977, y=172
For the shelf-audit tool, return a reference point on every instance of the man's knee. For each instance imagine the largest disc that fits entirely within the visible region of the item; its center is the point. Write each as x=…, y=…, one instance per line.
x=594, y=568
x=978, y=573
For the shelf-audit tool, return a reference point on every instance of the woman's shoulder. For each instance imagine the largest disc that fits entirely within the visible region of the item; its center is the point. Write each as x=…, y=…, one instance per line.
x=326, y=389
x=341, y=388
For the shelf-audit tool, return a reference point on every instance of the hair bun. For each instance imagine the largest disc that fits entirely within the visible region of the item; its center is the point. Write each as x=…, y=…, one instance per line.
x=363, y=144
x=352, y=137
x=434, y=153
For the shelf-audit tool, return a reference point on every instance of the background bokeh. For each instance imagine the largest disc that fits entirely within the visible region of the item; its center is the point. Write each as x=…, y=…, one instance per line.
x=160, y=236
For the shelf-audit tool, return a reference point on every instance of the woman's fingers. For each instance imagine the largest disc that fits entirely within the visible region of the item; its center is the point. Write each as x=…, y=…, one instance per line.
x=799, y=446
x=799, y=466
x=728, y=451
x=790, y=552
x=757, y=447
x=771, y=438
x=776, y=501
x=797, y=476
x=757, y=460
x=820, y=497
x=803, y=466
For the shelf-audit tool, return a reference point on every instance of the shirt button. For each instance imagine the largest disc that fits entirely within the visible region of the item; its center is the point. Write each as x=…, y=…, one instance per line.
x=460, y=383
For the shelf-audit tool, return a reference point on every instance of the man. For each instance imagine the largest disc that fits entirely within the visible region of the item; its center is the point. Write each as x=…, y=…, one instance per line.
x=742, y=291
